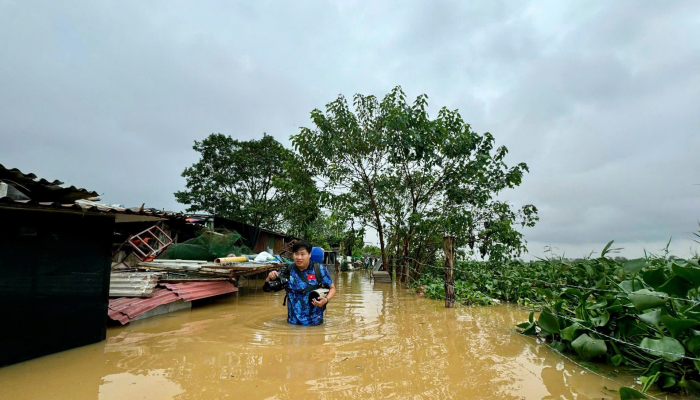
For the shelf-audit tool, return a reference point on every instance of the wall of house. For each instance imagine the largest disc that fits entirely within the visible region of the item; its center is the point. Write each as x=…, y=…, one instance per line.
x=267, y=242
x=279, y=244
x=54, y=281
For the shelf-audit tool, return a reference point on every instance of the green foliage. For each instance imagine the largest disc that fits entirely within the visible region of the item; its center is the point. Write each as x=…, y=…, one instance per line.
x=650, y=306
x=257, y=182
x=336, y=230
x=391, y=166
x=587, y=348
x=444, y=179
x=630, y=394
x=347, y=152
x=369, y=250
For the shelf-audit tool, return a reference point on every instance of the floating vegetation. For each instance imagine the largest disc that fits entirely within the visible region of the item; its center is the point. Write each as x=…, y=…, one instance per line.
x=643, y=314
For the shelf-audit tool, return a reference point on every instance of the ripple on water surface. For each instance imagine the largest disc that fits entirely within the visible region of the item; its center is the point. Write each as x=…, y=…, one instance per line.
x=377, y=341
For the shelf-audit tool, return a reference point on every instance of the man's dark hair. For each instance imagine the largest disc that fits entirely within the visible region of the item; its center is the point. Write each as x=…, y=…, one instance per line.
x=301, y=244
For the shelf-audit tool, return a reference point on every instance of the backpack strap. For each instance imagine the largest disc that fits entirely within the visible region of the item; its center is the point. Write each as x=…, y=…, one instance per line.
x=317, y=267
x=286, y=272
x=309, y=287
x=319, y=277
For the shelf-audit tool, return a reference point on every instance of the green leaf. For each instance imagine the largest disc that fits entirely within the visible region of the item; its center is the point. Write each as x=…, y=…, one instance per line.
x=548, y=322
x=647, y=381
x=616, y=360
x=630, y=394
x=572, y=291
x=667, y=382
x=602, y=302
x=676, y=286
x=606, y=248
x=693, y=344
x=615, y=307
x=652, y=317
x=530, y=329
x=587, y=347
x=558, y=346
x=631, y=286
x=569, y=333
x=676, y=326
x=601, y=320
x=590, y=366
x=645, y=299
x=667, y=348
x=531, y=317
x=654, y=277
x=690, y=274
x=634, y=266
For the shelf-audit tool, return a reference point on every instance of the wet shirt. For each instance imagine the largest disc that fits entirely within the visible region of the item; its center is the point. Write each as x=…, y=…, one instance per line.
x=300, y=311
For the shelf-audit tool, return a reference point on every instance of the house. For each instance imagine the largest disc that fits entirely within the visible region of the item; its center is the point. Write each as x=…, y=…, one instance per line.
x=55, y=259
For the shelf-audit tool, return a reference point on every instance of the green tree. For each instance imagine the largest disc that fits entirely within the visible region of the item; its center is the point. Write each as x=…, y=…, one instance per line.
x=398, y=170
x=257, y=182
x=336, y=230
x=346, y=151
x=368, y=249
x=444, y=178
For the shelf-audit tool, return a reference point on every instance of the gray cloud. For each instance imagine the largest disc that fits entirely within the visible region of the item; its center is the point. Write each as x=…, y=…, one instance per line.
x=599, y=99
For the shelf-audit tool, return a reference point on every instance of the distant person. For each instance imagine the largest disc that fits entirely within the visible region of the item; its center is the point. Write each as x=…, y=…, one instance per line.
x=303, y=277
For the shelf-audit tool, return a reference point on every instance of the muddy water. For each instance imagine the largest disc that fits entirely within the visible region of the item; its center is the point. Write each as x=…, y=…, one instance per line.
x=377, y=342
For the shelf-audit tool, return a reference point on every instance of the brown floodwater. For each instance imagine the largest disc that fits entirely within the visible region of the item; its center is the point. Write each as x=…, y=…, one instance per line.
x=378, y=341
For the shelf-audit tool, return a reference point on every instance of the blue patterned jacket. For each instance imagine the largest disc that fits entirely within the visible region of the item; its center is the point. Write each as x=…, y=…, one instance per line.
x=299, y=310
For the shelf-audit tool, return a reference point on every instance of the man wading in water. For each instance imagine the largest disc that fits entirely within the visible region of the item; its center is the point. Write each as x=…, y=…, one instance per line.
x=303, y=278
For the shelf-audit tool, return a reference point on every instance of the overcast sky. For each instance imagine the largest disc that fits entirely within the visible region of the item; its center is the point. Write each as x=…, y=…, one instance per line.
x=600, y=99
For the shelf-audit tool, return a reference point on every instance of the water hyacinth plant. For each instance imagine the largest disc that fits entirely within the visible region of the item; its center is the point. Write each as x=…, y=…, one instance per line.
x=642, y=314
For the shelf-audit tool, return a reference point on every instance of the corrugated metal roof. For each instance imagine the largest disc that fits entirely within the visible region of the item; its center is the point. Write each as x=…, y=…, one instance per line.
x=200, y=290
x=42, y=189
x=133, y=284
x=124, y=309
x=7, y=202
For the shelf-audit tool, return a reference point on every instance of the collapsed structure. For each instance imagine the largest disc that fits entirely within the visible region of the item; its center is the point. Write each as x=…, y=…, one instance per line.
x=69, y=262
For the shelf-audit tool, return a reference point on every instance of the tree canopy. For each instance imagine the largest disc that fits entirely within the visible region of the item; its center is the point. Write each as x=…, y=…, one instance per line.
x=415, y=179
x=258, y=182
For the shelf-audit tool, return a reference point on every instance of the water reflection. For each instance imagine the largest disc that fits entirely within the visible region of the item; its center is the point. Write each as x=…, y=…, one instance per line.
x=152, y=386
x=378, y=341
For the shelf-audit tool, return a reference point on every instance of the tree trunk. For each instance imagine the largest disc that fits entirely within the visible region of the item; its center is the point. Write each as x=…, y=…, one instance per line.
x=378, y=220
x=449, y=271
x=390, y=267
x=397, y=258
x=417, y=268
x=404, y=261
x=380, y=231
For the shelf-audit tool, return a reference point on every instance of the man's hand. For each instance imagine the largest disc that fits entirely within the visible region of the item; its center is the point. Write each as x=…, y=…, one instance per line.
x=320, y=302
x=272, y=276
